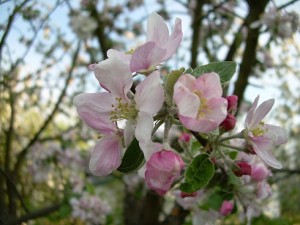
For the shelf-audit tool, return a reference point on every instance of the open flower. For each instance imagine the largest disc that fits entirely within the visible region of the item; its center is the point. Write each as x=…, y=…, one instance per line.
x=159, y=47
x=263, y=137
x=200, y=105
x=162, y=169
x=102, y=111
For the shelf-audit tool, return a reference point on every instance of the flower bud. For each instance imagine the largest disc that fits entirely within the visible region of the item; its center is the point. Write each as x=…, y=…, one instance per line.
x=162, y=169
x=185, y=137
x=226, y=207
x=244, y=169
x=229, y=122
x=232, y=103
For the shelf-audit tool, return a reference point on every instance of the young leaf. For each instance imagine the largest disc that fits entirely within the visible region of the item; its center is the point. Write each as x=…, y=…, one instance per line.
x=170, y=82
x=132, y=158
x=198, y=174
x=224, y=69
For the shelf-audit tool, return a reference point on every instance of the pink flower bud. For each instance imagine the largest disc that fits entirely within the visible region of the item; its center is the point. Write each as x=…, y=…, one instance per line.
x=185, y=137
x=162, y=169
x=244, y=169
x=226, y=208
x=229, y=122
x=232, y=103
x=259, y=172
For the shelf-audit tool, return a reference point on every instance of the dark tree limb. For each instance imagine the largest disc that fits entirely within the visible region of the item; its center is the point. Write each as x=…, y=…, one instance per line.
x=196, y=28
x=34, y=215
x=256, y=8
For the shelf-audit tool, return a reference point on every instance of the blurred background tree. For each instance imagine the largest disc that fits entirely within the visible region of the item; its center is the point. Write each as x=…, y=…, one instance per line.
x=45, y=50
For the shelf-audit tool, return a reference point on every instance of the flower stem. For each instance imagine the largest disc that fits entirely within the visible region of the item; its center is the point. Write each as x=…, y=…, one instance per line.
x=238, y=135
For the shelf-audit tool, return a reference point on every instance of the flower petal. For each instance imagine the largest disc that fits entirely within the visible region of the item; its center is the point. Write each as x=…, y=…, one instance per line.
x=262, y=146
x=106, y=156
x=174, y=40
x=157, y=29
x=204, y=125
x=114, y=74
x=187, y=102
x=144, y=127
x=146, y=56
x=280, y=133
x=250, y=114
x=129, y=132
x=205, y=83
x=94, y=109
x=260, y=113
x=149, y=95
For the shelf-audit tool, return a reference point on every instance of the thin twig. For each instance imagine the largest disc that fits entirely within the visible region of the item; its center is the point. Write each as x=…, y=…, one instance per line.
x=23, y=153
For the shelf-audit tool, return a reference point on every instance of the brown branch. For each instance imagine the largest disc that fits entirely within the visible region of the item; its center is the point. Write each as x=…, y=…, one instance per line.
x=9, y=25
x=256, y=8
x=287, y=4
x=34, y=215
x=196, y=28
x=104, y=42
x=23, y=153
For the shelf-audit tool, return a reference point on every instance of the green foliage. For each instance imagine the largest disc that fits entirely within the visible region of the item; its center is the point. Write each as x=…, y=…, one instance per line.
x=224, y=69
x=198, y=174
x=132, y=159
x=170, y=82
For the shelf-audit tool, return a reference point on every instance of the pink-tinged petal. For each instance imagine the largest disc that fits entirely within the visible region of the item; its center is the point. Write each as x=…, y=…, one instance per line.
x=250, y=114
x=146, y=56
x=129, y=132
x=187, y=102
x=262, y=147
x=144, y=127
x=203, y=125
x=174, y=40
x=205, y=83
x=217, y=110
x=149, y=96
x=106, y=156
x=157, y=29
x=114, y=74
x=186, y=80
x=94, y=109
x=278, y=132
x=115, y=53
x=261, y=112
x=259, y=172
x=263, y=190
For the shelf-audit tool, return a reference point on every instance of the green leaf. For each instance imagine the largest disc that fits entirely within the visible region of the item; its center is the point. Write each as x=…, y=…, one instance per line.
x=170, y=82
x=132, y=158
x=189, y=71
x=198, y=174
x=224, y=69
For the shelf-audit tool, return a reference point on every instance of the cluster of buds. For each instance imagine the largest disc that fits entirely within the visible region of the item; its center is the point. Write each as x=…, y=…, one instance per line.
x=127, y=118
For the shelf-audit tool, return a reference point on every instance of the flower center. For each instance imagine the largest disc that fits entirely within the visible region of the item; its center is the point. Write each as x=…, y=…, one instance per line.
x=259, y=130
x=122, y=110
x=203, y=108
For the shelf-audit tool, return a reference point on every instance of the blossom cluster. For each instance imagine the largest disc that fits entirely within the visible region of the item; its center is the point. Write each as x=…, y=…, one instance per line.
x=128, y=116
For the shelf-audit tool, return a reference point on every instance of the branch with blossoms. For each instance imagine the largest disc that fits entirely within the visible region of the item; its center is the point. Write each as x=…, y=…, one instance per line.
x=217, y=168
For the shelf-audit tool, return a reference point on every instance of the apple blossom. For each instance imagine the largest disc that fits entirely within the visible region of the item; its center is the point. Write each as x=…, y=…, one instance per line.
x=263, y=137
x=200, y=105
x=159, y=47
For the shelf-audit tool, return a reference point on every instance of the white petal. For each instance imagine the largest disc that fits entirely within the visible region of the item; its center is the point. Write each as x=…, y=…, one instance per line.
x=106, y=156
x=149, y=95
x=157, y=29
